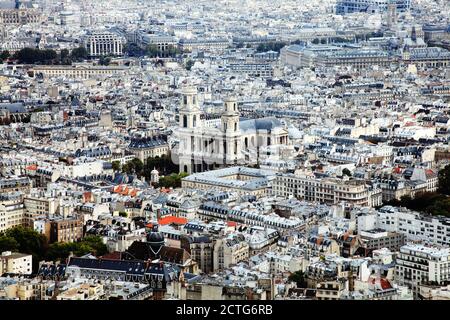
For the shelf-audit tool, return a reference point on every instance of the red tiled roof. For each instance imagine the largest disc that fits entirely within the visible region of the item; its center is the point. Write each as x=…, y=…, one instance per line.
x=397, y=170
x=231, y=224
x=32, y=167
x=172, y=219
x=385, y=284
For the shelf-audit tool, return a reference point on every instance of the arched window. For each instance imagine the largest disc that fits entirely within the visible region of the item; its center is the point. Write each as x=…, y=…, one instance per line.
x=246, y=142
x=235, y=126
x=268, y=141
x=194, y=121
x=185, y=121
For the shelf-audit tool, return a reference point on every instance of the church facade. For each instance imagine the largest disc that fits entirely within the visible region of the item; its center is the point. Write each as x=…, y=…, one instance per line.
x=207, y=144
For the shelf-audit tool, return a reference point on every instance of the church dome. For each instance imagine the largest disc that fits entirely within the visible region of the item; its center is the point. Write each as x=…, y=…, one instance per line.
x=156, y=241
x=155, y=237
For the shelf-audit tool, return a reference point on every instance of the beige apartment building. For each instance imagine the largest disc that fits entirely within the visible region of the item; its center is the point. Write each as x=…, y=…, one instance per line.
x=38, y=206
x=326, y=190
x=230, y=251
x=16, y=263
x=11, y=212
x=79, y=71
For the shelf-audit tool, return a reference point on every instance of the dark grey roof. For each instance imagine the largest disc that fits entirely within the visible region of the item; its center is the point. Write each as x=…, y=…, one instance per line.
x=7, y=4
x=260, y=124
x=16, y=107
x=150, y=142
x=127, y=266
x=94, y=152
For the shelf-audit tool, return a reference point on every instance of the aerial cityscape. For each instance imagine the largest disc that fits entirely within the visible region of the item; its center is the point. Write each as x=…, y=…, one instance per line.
x=224, y=150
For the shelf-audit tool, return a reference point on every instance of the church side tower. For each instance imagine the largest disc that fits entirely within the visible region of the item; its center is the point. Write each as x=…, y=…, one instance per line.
x=189, y=111
x=188, y=123
x=232, y=150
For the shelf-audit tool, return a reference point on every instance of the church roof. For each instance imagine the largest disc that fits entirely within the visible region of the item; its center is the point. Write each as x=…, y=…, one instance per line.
x=260, y=124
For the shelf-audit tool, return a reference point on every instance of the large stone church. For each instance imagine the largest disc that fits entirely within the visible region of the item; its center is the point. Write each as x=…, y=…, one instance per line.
x=207, y=143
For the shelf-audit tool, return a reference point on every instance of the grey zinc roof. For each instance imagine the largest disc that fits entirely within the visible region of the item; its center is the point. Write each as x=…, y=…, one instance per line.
x=260, y=124
x=16, y=107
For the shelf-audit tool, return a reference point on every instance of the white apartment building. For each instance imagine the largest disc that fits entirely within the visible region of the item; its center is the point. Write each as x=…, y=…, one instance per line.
x=104, y=44
x=415, y=132
x=418, y=264
x=431, y=230
x=326, y=190
x=17, y=263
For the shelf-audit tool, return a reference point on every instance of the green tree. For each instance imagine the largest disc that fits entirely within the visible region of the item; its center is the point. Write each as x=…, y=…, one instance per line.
x=4, y=55
x=97, y=245
x=138, y=166
x=270, y=46
x=428, y=202
x=133, y=166
x=133, y=50
x=104, y=61
x=299, y=278
x=123, y=214
x=8, y=244
x=90, y=244
x=172, y=181
x=152, y=50
x=163, y=164
x=28, y=241
x=189, y=64
x=444, y=180
x=64, y=57
x=79, y=54
x=346, y=172
x=31, y=56
x=173, y=51
x=116, y=165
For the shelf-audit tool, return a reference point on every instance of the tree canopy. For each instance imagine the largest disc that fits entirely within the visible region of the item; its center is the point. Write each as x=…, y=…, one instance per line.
x=299, y=278
x=32, y=56
x=26, y=240
x=189, y=64
x=270, y=46
x=79, y=54
x=429, y=202
x=172, y=181
x=47, y=56
x=163, y=164
x=133, y=166
x=153, y=51
x=444, y=180
x=90, y=244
